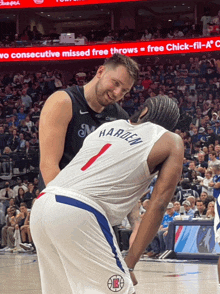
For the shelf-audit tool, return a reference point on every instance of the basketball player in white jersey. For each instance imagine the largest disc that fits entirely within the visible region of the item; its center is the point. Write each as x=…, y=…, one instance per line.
x=71, y=220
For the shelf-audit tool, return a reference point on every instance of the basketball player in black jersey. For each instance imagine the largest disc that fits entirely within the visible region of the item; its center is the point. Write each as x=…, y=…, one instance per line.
x=70, y=115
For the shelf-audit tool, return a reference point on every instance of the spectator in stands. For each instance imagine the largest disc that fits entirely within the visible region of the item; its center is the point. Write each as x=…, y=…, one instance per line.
x=3, y=139
x=201, y=209
x=6, y=159
x=81, y=77
x=36, y=34
x=109, y=37
x=58, y=80
x=7, y=241
x=146, y=83
x=213, y=160
x=206, y=20
x=29, y=195
x=23, y=217
x=203, y=196
x=201, y=164
x=170, y=35
x=21, y=115
x=178, y=34
x=36, y=182
x=188, y=210
x=34, y=91
x=5, y=194
x=146, y=36
x=182, y=87
x=35, y=113
x=81, y=36
x=50, y=82
x=22, y=128
x=211, y=148
x=26, y=100
x=13, y=142
x=185, y=191
x=176, y=206
x=192, y=167
x=29, y=123
x=212, y=137
x=217, y=150
x=205, y=183
x=22, y=143
x=211, y=210
x=34, y=142
x=138, y=88
x=192, y=201
x=20, y=196
x=163, y=230
x=2, y=215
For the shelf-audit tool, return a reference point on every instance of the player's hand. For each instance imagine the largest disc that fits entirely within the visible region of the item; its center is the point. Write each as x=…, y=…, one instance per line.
x=133, y=278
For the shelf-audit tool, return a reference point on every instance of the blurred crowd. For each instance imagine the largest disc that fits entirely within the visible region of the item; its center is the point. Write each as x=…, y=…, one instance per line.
x=179, y=29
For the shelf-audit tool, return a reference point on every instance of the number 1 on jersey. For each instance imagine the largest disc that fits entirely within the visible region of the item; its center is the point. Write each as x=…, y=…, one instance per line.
x=94, y=158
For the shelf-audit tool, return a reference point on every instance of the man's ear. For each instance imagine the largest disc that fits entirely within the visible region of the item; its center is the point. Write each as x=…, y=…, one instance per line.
x=144, y=111
x=100, y=71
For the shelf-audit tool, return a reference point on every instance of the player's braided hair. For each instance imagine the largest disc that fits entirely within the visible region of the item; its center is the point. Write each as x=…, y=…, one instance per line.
x=162, y=111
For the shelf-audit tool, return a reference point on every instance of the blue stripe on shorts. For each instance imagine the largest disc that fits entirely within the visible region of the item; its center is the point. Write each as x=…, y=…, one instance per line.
x=101, y=219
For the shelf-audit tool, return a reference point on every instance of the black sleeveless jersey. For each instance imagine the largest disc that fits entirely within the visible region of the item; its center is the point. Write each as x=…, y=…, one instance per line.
x=83, y=122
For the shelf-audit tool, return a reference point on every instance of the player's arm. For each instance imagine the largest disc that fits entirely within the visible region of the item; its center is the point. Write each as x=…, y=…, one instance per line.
x=170, y=157
x=134, y=220
x=54, y=119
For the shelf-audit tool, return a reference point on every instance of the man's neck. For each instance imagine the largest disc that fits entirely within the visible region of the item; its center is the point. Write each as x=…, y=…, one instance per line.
x=90, y=96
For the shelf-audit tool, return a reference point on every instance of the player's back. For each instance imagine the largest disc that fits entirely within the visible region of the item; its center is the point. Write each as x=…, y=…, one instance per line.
x=111, y=167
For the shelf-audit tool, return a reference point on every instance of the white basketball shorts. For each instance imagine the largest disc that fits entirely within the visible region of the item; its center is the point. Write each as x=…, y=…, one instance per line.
x=76, y=246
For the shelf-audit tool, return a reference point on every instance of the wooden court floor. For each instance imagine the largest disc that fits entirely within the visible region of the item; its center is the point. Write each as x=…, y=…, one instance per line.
x=19, y=275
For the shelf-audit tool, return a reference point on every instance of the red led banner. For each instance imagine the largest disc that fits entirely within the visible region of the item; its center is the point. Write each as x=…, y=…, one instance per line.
x=107, y=50
x=7, y=4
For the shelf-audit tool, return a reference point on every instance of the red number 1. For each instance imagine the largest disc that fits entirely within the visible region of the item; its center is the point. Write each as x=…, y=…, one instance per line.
x=94, y=158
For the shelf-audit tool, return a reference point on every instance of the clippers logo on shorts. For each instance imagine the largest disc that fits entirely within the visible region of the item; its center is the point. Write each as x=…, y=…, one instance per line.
x=116, y=283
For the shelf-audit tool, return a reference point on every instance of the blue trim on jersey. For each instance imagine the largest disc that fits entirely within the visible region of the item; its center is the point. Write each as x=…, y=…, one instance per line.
x=218, y=208
x=216, y=192
x=102, y=221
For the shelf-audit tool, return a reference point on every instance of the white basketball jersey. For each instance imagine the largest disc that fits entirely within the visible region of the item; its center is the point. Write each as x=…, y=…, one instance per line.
x=111, y=167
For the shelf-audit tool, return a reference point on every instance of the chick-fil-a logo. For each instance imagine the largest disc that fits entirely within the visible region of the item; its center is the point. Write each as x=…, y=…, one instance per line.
x=38, y=1
x=9, y=3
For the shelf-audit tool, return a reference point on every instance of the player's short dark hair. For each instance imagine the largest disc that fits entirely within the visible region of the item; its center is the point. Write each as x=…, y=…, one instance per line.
x=119, y=59
x=162, y=111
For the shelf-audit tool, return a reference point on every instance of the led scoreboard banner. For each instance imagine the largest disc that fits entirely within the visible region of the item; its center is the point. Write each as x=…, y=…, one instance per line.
x=97, y=51
x=7, y=4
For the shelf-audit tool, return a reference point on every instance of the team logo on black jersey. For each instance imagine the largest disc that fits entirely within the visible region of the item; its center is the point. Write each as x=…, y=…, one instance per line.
x=116, y=283
x=85, y=130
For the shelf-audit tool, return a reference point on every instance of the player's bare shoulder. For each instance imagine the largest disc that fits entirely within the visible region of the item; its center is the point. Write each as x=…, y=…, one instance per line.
x=169, y=145
x=173, y=141
x=58, y=105
x=60, y=100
